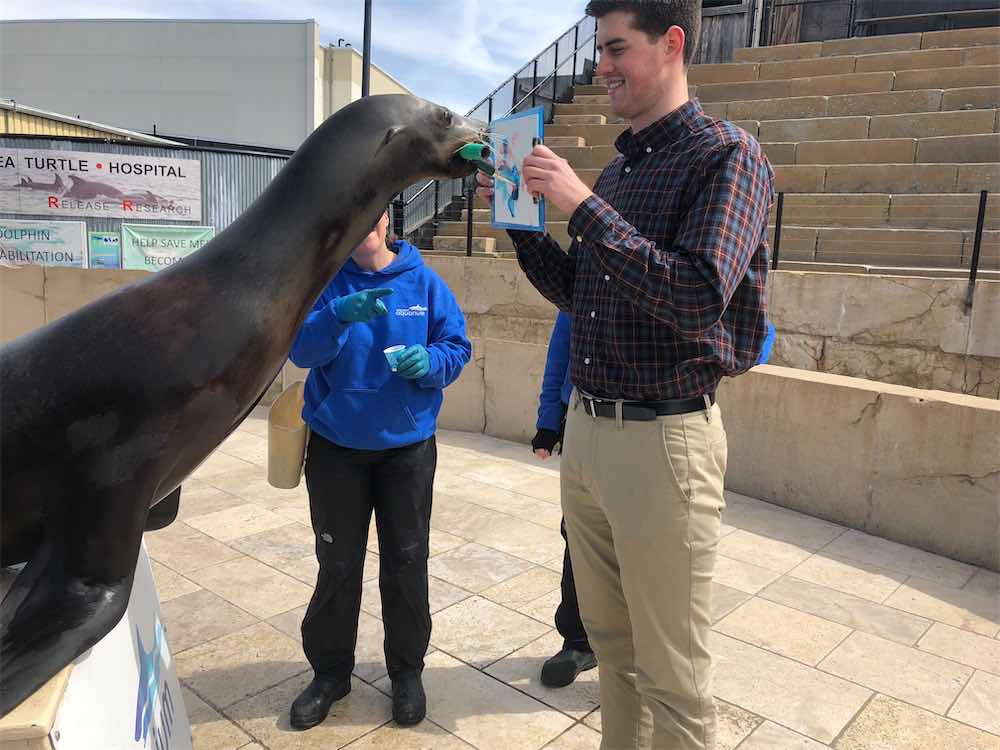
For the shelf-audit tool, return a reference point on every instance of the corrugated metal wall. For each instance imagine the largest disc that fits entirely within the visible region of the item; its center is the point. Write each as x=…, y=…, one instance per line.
x=230, y=181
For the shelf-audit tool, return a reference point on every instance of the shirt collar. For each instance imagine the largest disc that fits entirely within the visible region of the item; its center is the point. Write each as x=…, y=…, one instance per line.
x=663, y=132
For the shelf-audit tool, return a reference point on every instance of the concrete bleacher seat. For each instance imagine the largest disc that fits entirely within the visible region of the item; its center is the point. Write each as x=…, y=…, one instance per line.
x=881, y=144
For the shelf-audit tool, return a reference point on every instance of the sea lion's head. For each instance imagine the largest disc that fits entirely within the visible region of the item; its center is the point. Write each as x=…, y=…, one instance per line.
x=430, y=135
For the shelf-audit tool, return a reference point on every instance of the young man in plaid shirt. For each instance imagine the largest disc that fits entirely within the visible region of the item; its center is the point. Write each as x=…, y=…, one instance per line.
x=665, y=282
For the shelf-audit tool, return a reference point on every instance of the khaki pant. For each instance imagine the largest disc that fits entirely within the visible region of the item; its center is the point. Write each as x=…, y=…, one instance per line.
x=643, y=502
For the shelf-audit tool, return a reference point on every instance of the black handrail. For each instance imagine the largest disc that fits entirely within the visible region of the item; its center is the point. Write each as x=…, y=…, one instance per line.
x=976, y=248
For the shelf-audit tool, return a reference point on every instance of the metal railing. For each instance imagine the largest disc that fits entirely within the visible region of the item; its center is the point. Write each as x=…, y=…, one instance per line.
x=974, y=260
x=545, y=80
x=792, y=21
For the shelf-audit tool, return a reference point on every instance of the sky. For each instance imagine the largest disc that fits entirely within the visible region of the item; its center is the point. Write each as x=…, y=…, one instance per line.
x=449, y=51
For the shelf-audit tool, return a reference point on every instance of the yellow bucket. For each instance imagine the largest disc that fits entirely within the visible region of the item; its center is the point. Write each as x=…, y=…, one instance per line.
x=287, y=436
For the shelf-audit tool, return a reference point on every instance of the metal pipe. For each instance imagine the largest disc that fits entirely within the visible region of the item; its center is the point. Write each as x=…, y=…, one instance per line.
x=576, y=45
x=976, y=248
x=469, y=203
x=777, y=231
x=366, y=61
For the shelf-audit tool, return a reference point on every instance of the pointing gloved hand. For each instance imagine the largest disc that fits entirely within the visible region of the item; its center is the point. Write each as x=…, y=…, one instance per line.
x=414, y=362
x=361, y=307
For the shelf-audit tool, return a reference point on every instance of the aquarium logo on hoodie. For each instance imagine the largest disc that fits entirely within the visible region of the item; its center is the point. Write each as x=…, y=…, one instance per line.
x=413, y=311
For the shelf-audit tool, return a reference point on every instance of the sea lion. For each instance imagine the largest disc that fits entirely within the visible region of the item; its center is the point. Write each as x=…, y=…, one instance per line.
x=107, y=410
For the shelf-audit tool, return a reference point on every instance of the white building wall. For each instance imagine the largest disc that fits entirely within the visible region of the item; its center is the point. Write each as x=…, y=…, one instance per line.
x=250, y=82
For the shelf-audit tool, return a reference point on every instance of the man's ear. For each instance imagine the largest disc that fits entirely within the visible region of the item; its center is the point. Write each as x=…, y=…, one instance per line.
x=673, y=42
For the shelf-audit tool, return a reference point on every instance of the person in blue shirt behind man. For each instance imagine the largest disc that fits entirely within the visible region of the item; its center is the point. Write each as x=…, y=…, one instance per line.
x=576, y=655
x=372, y=448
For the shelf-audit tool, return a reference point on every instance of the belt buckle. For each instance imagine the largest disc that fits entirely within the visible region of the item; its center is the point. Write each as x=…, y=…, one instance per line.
x=592, y=403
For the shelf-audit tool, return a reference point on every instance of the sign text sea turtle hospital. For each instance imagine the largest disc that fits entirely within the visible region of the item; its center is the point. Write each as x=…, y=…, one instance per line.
x=47, y=182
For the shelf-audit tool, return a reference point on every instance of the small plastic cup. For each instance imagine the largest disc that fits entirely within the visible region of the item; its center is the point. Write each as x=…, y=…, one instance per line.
x=392, y=355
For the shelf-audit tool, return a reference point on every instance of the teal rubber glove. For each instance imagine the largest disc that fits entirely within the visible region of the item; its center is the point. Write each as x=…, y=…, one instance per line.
x=414, y=362
x=361, y=307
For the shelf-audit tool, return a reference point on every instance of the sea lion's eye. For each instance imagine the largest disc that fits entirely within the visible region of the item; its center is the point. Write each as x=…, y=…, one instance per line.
x=446, y=117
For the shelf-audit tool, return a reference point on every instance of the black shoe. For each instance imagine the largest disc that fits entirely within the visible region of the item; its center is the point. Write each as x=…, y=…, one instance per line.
x=313, y=703
x=561, y=669
x=409, y=704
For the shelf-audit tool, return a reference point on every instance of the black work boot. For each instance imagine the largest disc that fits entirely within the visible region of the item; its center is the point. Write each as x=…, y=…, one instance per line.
x=561, y=669
x=409, y=704
x=313, y=703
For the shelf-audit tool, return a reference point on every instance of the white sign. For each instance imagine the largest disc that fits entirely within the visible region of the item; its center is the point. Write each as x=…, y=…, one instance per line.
x=43, y=243
x=123, y=694
x=46, y=182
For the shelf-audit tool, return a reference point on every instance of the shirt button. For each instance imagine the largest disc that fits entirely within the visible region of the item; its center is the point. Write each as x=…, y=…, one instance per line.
x=649, y=149
x=593, y=313
x=607, y=278
x=628, y=169
x=579, y=238
x=586, y=361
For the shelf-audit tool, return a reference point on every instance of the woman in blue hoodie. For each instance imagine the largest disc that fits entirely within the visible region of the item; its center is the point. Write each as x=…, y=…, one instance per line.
x=372, y=448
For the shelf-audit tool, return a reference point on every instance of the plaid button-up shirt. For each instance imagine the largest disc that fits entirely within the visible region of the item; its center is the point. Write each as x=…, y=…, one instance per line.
x=666, y=272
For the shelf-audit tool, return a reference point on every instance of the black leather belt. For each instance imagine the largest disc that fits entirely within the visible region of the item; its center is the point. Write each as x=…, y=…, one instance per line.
x=646, y=411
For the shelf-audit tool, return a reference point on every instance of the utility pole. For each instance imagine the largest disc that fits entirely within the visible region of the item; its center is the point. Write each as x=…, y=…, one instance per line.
x=366, y=64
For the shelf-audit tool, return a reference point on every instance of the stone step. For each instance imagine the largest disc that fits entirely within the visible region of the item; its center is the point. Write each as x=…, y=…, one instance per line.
x=882, y=246
x=843, y=105
x=873, y=210
x=836, y=65
x=579, y=119
x=482, y=214
x=502, y=241
x=984, y=36
x=600, y=95
x=603, y=110
x=457, y=244
x=913, y=125
x=934, y=211
x=887, y=178
x=988, y=36
x=962, y=149
x=852, y=105
x=930, y=211
x=850, y=83
x=558, y=140
x=947, y=78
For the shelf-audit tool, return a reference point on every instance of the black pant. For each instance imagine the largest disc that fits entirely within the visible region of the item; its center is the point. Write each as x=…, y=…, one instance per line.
x=345, y=485
x=568, y=621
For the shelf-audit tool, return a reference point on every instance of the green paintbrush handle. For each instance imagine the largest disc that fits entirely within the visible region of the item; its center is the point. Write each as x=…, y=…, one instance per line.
x=474, y=152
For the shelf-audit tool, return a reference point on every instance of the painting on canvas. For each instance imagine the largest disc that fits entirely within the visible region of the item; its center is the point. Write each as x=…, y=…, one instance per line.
x=512, y=139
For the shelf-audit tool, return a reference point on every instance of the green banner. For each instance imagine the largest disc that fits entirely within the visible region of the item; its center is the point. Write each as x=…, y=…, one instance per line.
x=146, y=247
x=105, y=249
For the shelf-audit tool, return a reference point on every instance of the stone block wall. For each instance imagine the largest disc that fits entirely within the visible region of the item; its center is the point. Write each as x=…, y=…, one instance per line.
x=919, y=467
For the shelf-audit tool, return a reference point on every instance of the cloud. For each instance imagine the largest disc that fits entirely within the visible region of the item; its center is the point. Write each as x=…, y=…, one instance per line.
x=450, y=52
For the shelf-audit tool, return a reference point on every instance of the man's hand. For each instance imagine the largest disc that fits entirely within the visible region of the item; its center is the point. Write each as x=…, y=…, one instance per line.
x=549, y=174
x=361, y=307
x=484, y=186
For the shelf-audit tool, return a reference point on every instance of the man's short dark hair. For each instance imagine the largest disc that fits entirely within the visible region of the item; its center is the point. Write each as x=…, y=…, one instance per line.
x=654, y=17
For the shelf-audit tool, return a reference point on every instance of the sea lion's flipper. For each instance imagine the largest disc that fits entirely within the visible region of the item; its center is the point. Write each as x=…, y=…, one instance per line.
x=69, y=596
x=164, y=512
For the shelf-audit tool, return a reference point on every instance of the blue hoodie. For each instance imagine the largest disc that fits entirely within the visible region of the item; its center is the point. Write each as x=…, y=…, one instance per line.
x=352, y=398
x=556, y=386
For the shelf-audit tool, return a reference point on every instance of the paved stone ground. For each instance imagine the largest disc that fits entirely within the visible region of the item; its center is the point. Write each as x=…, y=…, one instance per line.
x=824, y=636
